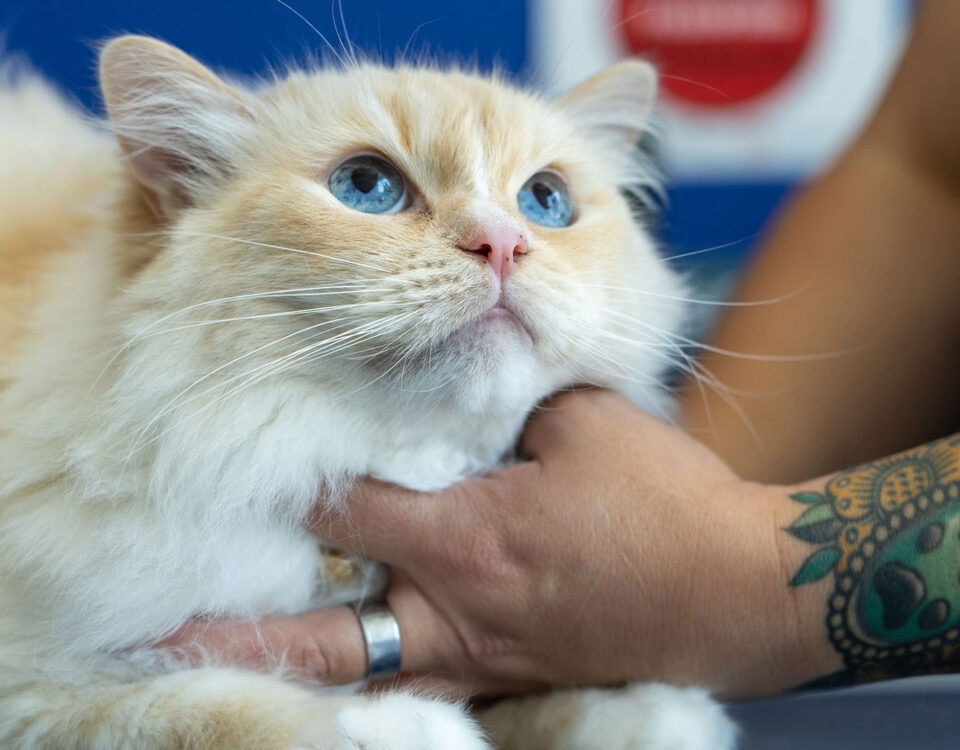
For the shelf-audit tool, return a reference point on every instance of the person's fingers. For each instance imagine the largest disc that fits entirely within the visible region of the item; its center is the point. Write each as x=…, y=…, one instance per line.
x=325, y=645
x=562, y=423
x=379, y=520
x=554, y=425
x=402, y=527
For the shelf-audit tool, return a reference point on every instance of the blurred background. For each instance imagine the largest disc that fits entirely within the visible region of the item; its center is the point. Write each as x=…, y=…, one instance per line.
x=757, y=96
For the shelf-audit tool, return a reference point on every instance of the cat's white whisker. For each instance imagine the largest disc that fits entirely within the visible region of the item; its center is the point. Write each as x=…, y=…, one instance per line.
x=714, y=248
x=345, y=42
x=243, y=241
x=787, y=358
x=694, y=301
x=306, y=353
x=294, y=292
x=261, y=370
x=173, y=401
x=288, y=313
x=315, y=30
x=701, y=375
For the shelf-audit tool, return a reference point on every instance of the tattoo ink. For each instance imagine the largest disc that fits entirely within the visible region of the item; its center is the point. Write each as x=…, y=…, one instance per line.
x=889, y=533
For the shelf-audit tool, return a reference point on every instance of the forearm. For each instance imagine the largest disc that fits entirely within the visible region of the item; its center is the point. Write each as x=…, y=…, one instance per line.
x=869, y=559
x=869, y=340
x=869, y=254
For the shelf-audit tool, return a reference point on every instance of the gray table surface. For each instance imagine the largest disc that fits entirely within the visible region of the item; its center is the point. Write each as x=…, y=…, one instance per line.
x=921, y=713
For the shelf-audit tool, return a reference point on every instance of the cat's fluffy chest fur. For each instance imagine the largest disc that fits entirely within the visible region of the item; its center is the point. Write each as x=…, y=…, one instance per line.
x=199, y=340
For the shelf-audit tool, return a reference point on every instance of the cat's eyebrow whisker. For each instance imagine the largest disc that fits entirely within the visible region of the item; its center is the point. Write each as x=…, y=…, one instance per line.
x=345, y=43
x=406, y=47
x=259, y=244
x=315, y=30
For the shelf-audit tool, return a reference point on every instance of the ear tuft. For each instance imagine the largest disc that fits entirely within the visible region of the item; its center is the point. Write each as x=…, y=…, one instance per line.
x=616, y=103
x=179, y=124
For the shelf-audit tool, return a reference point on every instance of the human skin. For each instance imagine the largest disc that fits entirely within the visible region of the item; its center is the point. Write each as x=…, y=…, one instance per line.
x=625, y=550
x=869, y=257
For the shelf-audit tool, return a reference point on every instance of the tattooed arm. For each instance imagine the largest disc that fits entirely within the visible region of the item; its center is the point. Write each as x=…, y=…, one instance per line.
x=882, y=562
x=873, y=250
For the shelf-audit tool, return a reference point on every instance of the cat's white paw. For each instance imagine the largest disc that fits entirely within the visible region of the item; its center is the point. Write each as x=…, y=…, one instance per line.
x=651, y=717
x=396, y=721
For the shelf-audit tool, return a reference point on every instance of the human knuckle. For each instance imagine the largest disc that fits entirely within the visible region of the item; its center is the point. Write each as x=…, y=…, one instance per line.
x=479, y=646
x=319, y=659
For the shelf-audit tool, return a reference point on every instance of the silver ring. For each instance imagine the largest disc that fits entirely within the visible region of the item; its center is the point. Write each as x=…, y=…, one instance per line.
x=382, y=636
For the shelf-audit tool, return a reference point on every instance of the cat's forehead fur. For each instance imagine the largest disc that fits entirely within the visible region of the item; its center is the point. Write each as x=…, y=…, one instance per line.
x=447, y=129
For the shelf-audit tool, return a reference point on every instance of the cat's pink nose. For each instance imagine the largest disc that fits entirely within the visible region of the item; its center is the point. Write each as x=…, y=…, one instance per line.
x=500, y=247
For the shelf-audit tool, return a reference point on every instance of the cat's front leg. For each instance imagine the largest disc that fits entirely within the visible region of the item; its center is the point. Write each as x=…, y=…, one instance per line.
x=641, y=716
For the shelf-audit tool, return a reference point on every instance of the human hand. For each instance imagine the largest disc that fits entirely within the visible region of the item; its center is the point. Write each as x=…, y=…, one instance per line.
x=621, y=550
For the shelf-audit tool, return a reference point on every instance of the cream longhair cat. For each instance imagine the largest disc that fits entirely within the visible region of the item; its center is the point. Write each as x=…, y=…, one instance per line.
x=252, y=294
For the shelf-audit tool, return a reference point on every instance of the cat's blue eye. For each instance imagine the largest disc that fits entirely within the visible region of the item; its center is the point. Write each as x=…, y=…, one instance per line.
x=369, y=184
x=545, y=199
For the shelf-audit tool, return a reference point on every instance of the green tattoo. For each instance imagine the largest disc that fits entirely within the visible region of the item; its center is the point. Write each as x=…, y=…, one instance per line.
x=889, y=532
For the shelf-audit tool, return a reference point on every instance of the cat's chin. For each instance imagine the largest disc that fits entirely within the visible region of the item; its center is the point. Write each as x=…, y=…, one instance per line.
x=498, y=328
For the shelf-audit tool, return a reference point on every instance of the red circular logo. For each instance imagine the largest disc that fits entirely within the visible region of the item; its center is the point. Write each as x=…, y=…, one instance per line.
x=720, y=52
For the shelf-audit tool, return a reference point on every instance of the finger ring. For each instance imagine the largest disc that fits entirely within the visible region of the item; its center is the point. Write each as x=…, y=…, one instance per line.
x=382, y=636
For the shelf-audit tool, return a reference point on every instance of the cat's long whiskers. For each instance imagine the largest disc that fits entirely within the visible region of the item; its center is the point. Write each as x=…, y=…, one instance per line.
x=305, y=354
x=286, y=313
x=712, y=249
x=288, y=359
x=605, y=357
x=697, y=371
x=173, y=401
x=382, y=375
x=742, y=355
x=298, y=291
x=258, y=244
x=701, y=375
x=694, y=301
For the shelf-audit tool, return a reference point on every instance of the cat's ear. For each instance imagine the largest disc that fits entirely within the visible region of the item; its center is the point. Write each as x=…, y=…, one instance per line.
x=179, y=125
x=615, y=104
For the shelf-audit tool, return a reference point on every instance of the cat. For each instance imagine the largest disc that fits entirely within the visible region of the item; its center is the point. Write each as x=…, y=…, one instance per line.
x=244, y=298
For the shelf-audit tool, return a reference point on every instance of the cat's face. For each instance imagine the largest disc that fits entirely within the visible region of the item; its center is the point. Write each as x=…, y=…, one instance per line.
x=438, y=233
